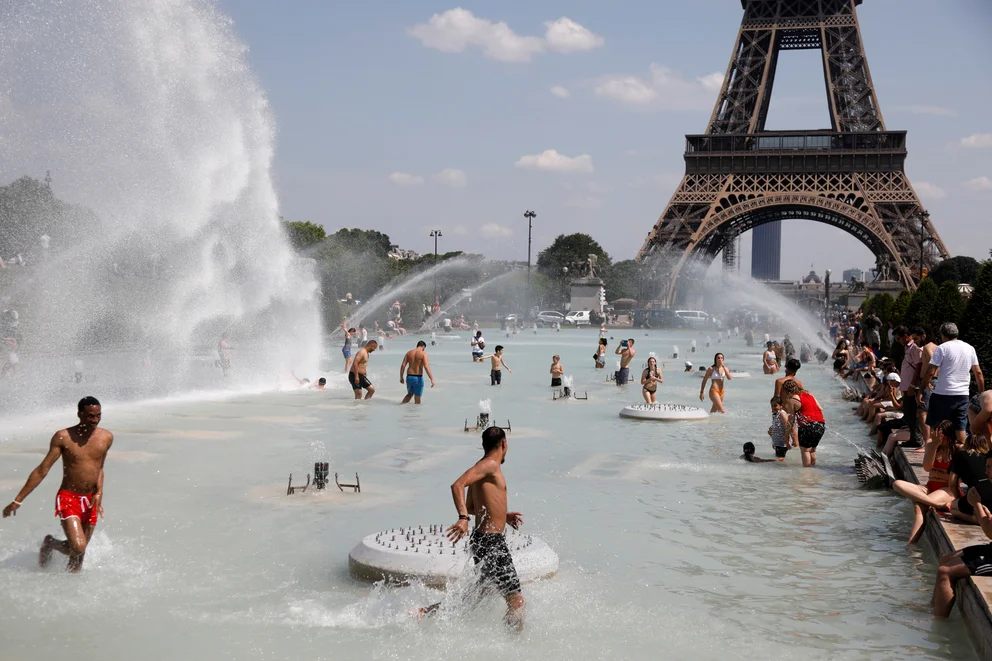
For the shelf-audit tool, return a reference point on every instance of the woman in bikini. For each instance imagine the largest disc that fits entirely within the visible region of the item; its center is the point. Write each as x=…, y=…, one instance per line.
x=600, y=355
x=717, y=372
x=769, y=360
x=942, y=486
x=650, y=378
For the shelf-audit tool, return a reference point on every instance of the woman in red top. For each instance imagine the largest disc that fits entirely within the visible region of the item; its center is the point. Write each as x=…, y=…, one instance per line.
x=806, y=414
x=942, y=485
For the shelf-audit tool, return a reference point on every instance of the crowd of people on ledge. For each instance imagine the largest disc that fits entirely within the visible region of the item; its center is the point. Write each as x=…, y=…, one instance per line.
x=926, y=405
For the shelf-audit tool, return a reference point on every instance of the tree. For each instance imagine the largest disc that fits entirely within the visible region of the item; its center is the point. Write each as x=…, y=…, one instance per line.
x=882, y=306
x=29, y=209
x=921, y=307
x=957, y=270
x=568, y=248
x=949, y=306
x=976, y=322
x=898, y=314
x=624, y=280
x=303, y=234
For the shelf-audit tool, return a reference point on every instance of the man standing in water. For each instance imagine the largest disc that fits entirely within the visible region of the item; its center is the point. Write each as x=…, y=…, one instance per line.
x=486, y=502
x=626, y=353
x=792, y=366
x=415, y=363
x=83, y=449
x=358, y=376
x=224, y=354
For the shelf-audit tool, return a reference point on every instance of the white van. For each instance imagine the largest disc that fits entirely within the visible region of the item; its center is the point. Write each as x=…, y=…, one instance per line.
x=578, y=318
x=693, y=318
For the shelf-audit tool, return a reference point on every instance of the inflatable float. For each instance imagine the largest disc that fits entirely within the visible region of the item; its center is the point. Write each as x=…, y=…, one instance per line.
x=663, y=412
x=423, y=553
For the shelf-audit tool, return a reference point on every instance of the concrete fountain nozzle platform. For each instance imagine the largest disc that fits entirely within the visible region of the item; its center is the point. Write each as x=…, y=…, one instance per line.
x=423, y=553
x=670, y=412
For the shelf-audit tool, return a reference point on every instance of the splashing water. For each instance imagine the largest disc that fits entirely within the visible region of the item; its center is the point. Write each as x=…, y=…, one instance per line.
x=485, y=406
x=147, y=114
x=461, y=296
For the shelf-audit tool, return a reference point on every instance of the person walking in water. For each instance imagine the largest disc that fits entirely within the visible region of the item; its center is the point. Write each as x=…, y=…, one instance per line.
x=346, y=350
x=792, y=366
x=717, y=372
x=650, y=378
x=224, y=355
x=358, y=376
x=415, y=363
x=497, y=362
x=478, y=346
x=769, y=359
x=626, y=353
x=600, y=355
x=83, y=449
x=557, y=370
x=486, y=502
x=806, y=416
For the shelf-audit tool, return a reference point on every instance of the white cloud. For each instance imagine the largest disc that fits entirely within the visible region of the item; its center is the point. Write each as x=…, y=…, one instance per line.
x=406, y=179
x=663, y=89
x=495, y=231
x=940, y=111
x=561, y=92
x=978, y=183
x=551, y=161
x=977, y=140
x=567, y=36
x=929, y=191
x=456, y=29
x=452, y=177
x=585, y=202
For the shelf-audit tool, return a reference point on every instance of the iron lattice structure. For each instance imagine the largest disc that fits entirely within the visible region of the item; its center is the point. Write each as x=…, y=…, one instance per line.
x=852, y=176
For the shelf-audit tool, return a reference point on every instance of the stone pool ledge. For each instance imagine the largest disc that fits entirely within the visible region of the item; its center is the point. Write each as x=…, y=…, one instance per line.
x=974, y=594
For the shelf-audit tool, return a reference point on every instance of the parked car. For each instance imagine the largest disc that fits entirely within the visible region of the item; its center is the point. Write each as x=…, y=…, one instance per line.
x=693, y=318
x=549, y=318
x=513, y=319
x=578, y=318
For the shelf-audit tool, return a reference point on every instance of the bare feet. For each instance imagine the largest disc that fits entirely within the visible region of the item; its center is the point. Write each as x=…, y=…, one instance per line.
x=45, y=553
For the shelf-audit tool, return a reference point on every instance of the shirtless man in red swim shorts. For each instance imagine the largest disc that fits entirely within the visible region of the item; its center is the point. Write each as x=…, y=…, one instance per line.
x=83, y=449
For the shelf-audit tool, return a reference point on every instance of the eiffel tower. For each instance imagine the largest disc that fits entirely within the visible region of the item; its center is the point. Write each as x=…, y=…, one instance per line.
x=738, y=176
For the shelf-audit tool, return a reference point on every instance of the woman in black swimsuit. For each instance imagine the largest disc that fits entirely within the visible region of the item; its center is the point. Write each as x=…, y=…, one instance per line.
x=650, y=378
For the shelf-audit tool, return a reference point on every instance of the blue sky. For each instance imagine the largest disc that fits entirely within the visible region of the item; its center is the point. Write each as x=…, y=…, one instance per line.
x=407, y=116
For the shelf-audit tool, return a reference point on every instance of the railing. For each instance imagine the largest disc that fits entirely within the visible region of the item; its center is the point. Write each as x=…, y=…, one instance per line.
x=789, y=142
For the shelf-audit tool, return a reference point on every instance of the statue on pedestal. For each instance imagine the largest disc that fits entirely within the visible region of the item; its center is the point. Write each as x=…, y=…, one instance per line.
x=586, y=268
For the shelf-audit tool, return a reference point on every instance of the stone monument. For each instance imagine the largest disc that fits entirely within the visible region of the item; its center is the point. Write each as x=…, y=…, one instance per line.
x=588, y=292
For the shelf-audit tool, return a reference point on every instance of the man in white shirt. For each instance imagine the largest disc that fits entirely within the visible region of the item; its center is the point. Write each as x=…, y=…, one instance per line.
x=957, y=361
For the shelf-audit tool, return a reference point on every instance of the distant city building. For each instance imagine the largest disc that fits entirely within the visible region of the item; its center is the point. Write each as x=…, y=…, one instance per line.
x=766, y=251
x=395, y=252
x=850, y=274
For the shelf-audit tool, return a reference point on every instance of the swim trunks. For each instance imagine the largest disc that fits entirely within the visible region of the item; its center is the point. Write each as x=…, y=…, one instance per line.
x=69, y=505
x=810, y=434
x=555, y=382
x=623, y=376
x=492, y=557
x=359, y=381
x=415, y=384
x=780, y=451
x=496, y=377
x=978, y=559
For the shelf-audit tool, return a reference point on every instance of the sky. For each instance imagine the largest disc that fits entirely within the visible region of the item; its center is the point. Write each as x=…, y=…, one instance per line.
x=411, y=115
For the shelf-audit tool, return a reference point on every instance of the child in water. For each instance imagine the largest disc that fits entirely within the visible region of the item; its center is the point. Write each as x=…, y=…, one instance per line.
x=778, y=430
x=496, y=373
x=557, y=369
x=749, y=455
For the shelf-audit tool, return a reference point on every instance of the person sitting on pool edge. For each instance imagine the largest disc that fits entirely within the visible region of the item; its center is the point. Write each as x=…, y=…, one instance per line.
x=749, y=455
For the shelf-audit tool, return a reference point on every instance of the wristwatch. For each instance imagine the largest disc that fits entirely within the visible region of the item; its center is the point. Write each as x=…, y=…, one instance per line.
x=463, y=517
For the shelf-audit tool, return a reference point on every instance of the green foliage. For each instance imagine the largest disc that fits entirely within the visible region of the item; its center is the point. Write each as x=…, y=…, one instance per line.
x=29, y=209
x=303, y=234
x=950, y=305
x=362, y=242
x=957, y=270
x=866, y=305
x=920, y=313
x=625, y=279
x=568, y=248
x=899, y=308
x=976, y=322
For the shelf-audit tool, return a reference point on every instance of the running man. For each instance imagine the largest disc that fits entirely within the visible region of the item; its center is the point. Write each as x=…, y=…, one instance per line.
x=497, y=362
x=486, y=501
x=478, y=346
x=83, y=449
x=414, y=364
x=626, y=353
x=358, y=376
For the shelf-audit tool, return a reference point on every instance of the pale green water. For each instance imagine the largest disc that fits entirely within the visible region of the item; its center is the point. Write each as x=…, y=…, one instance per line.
x=670, y=546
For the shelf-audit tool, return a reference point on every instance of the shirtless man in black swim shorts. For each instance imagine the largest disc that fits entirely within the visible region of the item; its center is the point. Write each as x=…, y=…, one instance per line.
x=486, y=501
x=358, y=376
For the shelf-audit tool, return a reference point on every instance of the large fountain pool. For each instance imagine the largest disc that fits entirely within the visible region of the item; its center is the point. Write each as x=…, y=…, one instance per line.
x=670, y=546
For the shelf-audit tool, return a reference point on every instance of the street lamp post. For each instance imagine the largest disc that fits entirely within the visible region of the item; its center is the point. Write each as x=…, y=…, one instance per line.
x=924, y=217
x=826, y=284
x=530, y=216
x=435, y=234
